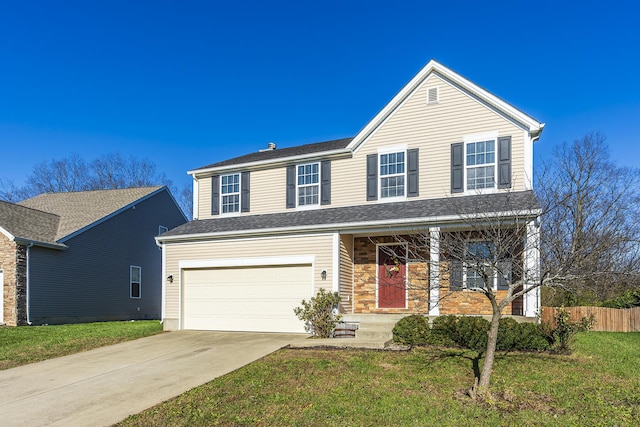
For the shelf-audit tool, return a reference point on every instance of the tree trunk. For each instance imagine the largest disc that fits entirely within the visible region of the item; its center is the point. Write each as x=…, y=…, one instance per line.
x=481, y=387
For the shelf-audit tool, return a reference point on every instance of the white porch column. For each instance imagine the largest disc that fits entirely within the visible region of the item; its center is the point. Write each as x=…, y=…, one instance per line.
x=531, y=299
x=434, y=271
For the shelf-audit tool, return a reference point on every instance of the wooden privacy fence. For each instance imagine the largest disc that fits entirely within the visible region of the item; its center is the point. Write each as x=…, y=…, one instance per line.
x=607, y=319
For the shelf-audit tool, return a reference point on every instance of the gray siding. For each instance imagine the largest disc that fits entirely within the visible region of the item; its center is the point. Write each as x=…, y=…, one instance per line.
x=90, y=280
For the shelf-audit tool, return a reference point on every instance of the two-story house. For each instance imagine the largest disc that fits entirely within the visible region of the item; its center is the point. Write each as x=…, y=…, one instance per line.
x=274, y=226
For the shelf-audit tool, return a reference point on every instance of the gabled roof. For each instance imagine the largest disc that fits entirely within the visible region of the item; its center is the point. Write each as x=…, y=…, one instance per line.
x=279, y=154
x=25, y=224
x=350, y=145
x=78, y=211
x=533, y=126
x=382, y=216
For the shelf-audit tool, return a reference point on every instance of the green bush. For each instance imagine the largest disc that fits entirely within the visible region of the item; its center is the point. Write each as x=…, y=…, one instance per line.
x=562, y=334
x=319, y=313
x=445, y=330
x=508, y=334
x=412, y=330
x=530, y=337
x=473, y=332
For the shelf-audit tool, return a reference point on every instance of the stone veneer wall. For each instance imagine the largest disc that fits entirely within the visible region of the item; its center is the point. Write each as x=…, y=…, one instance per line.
x=458, y=302
x=13, y=262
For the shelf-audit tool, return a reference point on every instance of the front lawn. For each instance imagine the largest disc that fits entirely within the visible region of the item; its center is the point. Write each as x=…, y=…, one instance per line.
x=27, y=344
x=599, y=385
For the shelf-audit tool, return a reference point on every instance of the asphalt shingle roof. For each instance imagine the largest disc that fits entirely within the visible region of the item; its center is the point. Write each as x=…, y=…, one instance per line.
x=280, y=153
x=372, y=213
x=77, y=210
x=28, y=224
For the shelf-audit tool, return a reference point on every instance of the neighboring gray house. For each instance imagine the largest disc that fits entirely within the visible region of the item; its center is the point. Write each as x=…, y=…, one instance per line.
x=84, y=256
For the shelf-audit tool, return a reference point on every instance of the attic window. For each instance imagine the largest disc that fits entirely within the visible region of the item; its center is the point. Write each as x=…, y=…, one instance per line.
x=433, y=95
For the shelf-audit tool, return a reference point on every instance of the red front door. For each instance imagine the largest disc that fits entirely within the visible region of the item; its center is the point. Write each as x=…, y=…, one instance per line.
x=392, y=276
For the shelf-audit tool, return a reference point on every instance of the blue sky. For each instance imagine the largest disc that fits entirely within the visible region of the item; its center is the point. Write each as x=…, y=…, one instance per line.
x=189, y=83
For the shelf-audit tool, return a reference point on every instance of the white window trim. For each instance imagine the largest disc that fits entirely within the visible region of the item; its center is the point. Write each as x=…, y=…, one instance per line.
x=131, y=282
x=315, y=205
x=406, y=278
x=391, y=150
x=465, y=285
x=481, y=137
x=239, y=193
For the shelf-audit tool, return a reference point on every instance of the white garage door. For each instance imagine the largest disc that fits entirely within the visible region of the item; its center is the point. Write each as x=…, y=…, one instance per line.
x=256, y=298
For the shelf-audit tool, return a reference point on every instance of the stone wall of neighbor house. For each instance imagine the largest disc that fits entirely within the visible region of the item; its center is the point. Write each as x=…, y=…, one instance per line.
x=13, y=262
x=458, y=302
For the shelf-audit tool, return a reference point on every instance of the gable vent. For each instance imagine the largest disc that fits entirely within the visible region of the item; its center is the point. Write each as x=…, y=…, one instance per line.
x=432, y=95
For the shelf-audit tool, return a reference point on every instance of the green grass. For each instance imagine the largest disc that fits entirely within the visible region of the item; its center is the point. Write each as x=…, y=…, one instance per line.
x=27, y=344
x=599, y=385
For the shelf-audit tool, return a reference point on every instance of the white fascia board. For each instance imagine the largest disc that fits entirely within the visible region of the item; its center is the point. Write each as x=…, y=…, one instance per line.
x=534, y=127
x=27, y=242
x=7, y=234
x=352, y=227
x=247, y=262
x=272, y=162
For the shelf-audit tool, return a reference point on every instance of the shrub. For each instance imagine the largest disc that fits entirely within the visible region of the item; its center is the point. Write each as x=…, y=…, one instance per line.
x=562, y=334
x=530, y=337
x=473, y=332
x=508, y=334
x=412, y=330
x=319, y=313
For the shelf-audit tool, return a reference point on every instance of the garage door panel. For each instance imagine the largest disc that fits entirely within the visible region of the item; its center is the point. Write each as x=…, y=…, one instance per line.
x=258, y=299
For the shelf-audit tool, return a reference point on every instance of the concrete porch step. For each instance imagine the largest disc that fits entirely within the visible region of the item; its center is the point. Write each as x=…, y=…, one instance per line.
x=375, y=331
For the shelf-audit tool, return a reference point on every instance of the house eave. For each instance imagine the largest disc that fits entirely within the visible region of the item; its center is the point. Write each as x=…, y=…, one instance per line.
x=407, y=224
x=325, y=155
x=30, y=242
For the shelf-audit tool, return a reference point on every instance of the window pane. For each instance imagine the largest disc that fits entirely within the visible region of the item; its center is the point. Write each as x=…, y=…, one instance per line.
x=135, y=274
x=135, y=290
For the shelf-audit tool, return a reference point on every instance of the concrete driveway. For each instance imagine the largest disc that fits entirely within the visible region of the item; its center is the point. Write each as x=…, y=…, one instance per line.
x=105, y=385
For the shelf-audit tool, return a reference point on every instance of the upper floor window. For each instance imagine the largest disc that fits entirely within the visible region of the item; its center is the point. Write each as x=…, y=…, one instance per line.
x=392, y=174
x=230, y=191
x=481, y=164
x=308, y=184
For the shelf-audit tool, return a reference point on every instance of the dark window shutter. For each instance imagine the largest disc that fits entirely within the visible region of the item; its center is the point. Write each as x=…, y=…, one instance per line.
x=455, y=276
x=504, y=274
x=504, y=162
x=372, y=177
x=215, y=195
x=244, y=192
x=325, y=180
x=291, y=186
x=412, y=172
x=457, y=167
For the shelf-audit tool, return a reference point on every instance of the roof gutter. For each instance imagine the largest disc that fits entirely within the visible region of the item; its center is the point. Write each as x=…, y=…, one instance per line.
x=30, y=242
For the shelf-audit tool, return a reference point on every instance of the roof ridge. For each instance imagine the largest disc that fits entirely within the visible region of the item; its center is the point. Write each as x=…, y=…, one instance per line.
x=28, y=207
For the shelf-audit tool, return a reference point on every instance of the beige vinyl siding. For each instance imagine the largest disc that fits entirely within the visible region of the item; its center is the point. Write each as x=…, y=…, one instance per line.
x=268, y=191
x=204, y=198
x=346, y=272
x=432, y=129
x=320, y=246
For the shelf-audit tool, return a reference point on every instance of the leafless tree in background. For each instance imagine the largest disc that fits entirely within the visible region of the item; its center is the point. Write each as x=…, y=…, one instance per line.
x=110, y=171
x=591, y=229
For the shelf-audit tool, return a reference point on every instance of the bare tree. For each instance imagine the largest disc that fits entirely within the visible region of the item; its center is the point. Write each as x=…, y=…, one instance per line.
x=591, y=230
x=110, y=171
x=492, y=254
